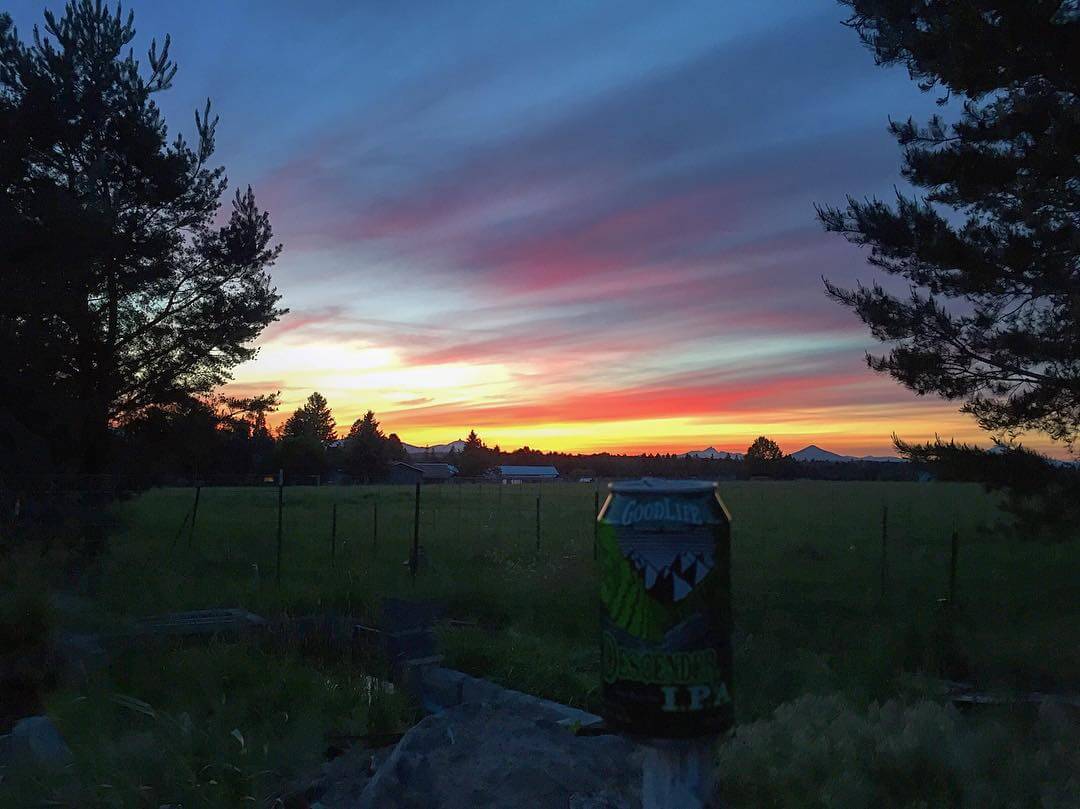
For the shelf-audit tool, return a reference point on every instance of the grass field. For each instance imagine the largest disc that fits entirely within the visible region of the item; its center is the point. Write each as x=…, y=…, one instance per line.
x=807, y=559
x=819, y=645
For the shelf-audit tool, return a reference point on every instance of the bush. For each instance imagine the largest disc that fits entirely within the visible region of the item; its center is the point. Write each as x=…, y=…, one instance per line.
x=820, y=752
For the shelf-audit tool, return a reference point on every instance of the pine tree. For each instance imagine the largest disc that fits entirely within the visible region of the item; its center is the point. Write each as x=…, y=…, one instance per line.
x=320, y=419
x=395, y=450
x=368, y=451
x=473, y=443
x=120, y=291
x=991, y=247
x=475, y=456
x=312, y=419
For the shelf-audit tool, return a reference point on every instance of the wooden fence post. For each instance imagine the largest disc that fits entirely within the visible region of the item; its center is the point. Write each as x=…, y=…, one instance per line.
x=194, y=514
x=537, y=522
x=414, y=558
x=595, y=523
x=333, y=533
x=280, y=507
x=180, y=530
x=884, y=551
x=374, y=526
x=952, y=566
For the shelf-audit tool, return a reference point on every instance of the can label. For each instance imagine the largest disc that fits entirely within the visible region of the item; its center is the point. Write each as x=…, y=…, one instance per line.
x=665, y=652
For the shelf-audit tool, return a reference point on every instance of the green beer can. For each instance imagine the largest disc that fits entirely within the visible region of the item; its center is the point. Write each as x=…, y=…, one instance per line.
x=664, y=549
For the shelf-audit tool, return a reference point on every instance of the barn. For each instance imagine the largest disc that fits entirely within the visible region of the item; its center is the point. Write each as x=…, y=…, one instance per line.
x=411, y=473
x=527, y=474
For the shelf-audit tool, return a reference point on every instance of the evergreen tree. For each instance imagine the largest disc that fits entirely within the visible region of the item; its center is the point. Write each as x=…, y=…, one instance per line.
x=120, y=291
x=300, y=455
x=395, y=450
x=367, y=450
x=1042, y=497
x=473, y=443
x=312, y=419
x=991, y=246
x=320, y=419
x=475, y=456
x=204, y=436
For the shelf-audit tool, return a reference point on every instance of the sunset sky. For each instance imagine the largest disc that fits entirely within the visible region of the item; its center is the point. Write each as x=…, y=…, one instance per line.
x=569, y=225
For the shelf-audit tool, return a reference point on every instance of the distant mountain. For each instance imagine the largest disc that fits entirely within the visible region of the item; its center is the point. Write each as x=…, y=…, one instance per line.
x=810, y=453
x=712, y=454
x=435, y=449
x=816, y=453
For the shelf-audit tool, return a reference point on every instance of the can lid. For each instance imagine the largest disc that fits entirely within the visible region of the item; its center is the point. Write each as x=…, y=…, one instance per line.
x=662, y=485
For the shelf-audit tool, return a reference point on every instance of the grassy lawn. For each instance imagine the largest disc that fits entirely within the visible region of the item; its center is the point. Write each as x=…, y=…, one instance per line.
x=807, y=579
x=811, y=618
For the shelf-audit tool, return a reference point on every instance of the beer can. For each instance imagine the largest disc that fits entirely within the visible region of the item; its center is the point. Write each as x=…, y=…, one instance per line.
x=664, y=550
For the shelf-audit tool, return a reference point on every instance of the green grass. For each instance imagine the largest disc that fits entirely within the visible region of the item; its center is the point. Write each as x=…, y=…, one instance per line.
x=810, y=615
x=806, y=573
x=198, y=726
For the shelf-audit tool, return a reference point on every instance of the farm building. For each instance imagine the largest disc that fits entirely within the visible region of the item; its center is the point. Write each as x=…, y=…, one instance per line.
x=521, y=474
x=401, y=472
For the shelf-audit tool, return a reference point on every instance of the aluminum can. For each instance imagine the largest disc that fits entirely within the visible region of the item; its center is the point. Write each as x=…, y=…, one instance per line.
x=664, y=551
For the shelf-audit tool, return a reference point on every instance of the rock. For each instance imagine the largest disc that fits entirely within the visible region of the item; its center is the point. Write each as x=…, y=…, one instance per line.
x=441, y=688
x=603, y=800
x=35, y=740
x=507, y=755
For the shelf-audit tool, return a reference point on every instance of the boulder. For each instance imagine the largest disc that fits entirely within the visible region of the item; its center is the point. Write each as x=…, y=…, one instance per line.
x=36, y=741
x=506, y=755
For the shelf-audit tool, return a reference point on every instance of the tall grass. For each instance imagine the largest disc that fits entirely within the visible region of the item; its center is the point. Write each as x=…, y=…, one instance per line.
x=806, y=555
x=200, y=726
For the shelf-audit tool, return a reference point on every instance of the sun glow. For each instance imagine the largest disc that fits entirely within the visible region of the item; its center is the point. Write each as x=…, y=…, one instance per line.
x=513, y=404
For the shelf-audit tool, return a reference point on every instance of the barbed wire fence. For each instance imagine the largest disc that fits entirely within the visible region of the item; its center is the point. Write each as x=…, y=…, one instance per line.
x=360, y=523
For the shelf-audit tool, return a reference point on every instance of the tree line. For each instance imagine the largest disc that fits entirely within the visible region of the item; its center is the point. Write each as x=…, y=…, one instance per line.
x=220, y=438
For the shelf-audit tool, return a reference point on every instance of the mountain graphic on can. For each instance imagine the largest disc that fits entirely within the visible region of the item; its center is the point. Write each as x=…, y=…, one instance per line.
x=664, y=550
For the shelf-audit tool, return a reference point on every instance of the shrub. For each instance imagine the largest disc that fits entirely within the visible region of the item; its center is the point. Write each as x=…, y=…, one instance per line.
x=821, y=752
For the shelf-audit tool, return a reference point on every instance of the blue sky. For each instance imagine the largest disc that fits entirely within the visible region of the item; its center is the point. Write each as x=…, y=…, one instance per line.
x=572, y=225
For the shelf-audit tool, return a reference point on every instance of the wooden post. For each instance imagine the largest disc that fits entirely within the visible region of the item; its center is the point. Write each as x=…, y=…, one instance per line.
x=952, y=566
x=595, y=524
x=538, y=523
x=884, y=551
x=280, y=507
x=414, y=558
x=333, y=533
x=180, y=530
x=194, y=514
x=374, y=526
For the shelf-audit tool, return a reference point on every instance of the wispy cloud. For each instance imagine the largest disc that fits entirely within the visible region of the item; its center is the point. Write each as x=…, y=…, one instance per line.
x=573, y=225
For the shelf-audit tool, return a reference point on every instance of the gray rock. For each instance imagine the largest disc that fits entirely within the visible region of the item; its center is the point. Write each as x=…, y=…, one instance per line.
x=505, y=755
x=35, y=740
x=441, y=688
x=602, y=800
